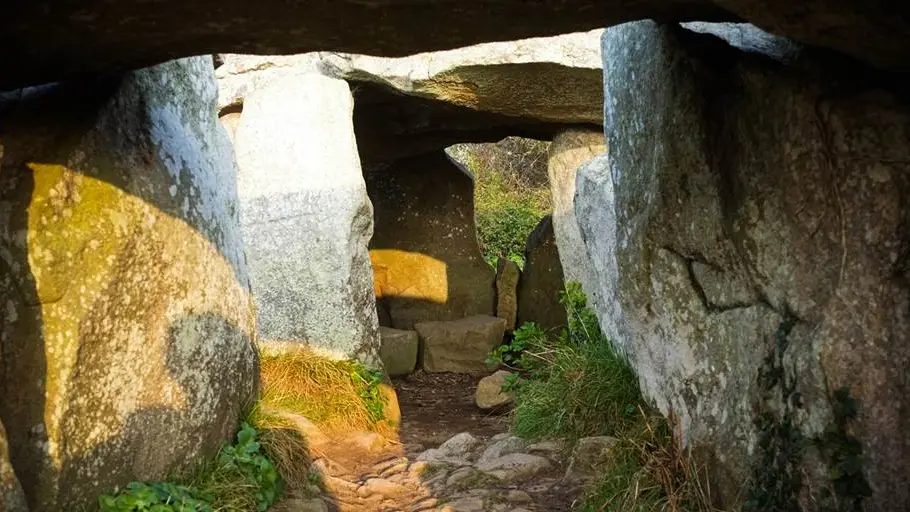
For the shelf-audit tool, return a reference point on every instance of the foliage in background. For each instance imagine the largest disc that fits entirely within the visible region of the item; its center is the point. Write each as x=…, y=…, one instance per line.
x=511, y=193
x=240, y=478
x=579, y=385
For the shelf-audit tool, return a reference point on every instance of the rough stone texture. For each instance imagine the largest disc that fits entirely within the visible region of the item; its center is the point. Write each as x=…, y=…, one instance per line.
x=542, y=280
x=398, y=350
x=507, y=276
x=459, y=345
x=126, y=333
x=489, y=393
x=589, y=457
x=515, y=467
x=426, y=261
x=460, y=446
x=414, y=105
x=753, y=192
x=306, y=216
x=509, y=444
x=12, y=499
x=569, y=151
x=134, y=33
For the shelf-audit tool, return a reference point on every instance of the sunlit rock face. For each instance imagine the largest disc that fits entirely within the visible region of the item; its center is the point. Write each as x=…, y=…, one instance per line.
x=426, y=260
x=306, y=216
x=127, y=321
x=749, y=231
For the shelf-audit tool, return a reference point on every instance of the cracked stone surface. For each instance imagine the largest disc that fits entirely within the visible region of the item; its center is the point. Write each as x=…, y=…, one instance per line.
x=777, y=198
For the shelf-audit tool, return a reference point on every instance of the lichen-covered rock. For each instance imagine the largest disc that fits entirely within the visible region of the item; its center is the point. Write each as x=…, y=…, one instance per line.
x=542, y=280
x=426, y=261
x=507, y=276
x=751, y=233
x=460, y=345
x=306, y=217
x=489, y=393
x=12, y=499
x=569, y=150
x=126, y=336
x=398, y=350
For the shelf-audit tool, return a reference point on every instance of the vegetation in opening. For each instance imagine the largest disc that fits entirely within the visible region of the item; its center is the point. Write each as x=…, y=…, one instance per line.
x=511, y=193
x=240, y=478
x=579, y=385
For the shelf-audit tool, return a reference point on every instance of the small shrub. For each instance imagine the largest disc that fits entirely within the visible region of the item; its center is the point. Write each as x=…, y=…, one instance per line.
x=240, y=478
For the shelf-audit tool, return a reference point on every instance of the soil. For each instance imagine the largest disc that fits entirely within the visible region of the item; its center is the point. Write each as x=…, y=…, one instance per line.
x=364, y=473
x=436, y=406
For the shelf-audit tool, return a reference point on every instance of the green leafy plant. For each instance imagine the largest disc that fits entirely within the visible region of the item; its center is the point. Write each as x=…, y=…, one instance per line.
x=370, y=390
x=240, y=478
x=156, y=497
x=515, y=354
x=844, y=453
x=244, y=458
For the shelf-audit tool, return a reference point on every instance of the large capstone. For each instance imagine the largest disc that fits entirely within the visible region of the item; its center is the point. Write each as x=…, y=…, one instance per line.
x=127, y=319
x=426, y=260
x=306, y=216
x=137, y=33
x=750, y=230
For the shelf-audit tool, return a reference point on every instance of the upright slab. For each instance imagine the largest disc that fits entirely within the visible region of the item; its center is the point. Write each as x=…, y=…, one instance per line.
x=126, y=335
x=306, y=216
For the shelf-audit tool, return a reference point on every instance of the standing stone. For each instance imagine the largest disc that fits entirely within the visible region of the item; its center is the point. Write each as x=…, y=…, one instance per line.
x=542, y=280
x=127, y=328
x=569, y=151
x=507, y=276
x=398, y=350
x=306, y=216
x=11, y=497
x=426, y=260
x=759, y=234
x=461, y=345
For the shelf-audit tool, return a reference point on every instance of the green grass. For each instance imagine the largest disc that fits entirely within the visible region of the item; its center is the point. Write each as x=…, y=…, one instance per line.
x=579, y=385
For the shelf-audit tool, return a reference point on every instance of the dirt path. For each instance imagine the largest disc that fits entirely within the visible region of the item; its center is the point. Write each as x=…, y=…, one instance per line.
x=450, y=456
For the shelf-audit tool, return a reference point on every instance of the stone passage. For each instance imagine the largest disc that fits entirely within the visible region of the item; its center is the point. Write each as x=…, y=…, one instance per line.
x=306, y=216
x=127, y=327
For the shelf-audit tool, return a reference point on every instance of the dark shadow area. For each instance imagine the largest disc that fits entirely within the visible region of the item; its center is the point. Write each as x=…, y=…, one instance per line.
x=426, y=260
x=390, y=125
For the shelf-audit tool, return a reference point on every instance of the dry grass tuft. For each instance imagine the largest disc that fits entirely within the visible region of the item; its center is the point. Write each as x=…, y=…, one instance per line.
x=652, y=472
x=328, y=393
x=285, y=443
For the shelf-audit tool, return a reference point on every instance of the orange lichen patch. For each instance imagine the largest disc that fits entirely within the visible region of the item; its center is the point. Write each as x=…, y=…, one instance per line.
x=409, y=275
